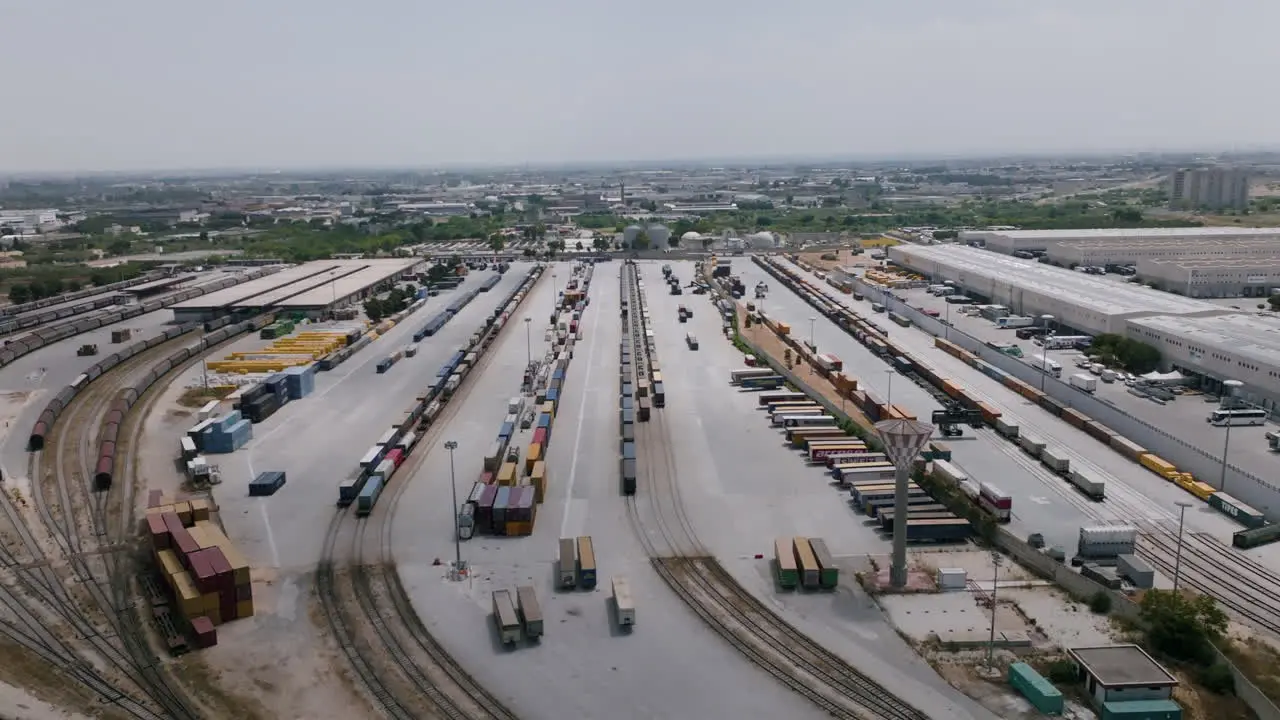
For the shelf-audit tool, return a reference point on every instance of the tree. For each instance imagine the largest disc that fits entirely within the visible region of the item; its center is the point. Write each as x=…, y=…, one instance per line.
x=602, y=243
x=580, y=246
x=553, y=247
x=1182, y=626
x=19, y=294
x=373, y=309
x=204, y=236
x=497, y=243
x=1274, y=302
x=641, y=242
x=529, y=252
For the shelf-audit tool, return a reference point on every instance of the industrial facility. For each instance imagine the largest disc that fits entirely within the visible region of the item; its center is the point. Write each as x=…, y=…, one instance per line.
x=1208, y=277
x=1222, y=347
x=1040, y=241
x=311, y=289
x=1075, y=300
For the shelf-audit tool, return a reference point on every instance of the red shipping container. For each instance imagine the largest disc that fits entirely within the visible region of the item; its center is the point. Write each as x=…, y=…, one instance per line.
x=172, y=521
x=540, y=436
x=202, y=572
x=396, y=456
x=221, y=567
x=486, y=478
x=154, y=497
x=159, y=532
x=185, y=545
x=227, y=607
x=206, y=633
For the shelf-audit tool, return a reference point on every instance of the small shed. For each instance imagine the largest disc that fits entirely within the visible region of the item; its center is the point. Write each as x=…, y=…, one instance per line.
x=1118, y=676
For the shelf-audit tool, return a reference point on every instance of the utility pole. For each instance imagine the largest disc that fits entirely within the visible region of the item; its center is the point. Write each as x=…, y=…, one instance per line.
x=995, y=584
x=458, y=568
x=1177, y=559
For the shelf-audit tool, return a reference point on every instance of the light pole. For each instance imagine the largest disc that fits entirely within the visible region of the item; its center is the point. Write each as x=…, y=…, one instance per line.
x=1177, y=558
x=889, y=392
x=812, y=320
x=1044, y=353
x=451, y=445
x=528, y=342
x=946, y=324
x=995, y=585
x=902, y=442
x=1228, y=402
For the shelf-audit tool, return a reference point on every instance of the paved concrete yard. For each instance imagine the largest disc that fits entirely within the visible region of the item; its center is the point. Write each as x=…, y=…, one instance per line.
x=671, y=665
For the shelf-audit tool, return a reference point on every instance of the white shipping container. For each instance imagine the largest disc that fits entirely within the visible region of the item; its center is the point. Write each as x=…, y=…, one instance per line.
x=1055, y=459
x=1109, y=534
x=952, y=578
x=1031, y=444
x=949, y=472
x=1006, y=428
x=1084, y=382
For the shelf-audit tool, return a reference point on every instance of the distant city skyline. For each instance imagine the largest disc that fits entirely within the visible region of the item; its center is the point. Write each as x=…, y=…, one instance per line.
x=147, y=85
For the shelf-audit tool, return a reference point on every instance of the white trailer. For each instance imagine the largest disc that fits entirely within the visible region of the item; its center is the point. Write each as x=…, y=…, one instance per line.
x=1095, y=489
x=1031, y=444
x=1055, y=460
x=1014, y=321
x=1081, y=381
x=1046, y=365
x=623, y=602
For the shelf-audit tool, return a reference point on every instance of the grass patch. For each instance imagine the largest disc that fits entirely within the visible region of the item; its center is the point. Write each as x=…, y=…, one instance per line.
x=197, y=396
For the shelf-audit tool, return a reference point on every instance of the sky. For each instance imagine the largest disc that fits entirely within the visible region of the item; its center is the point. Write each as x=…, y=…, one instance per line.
x=151, y=84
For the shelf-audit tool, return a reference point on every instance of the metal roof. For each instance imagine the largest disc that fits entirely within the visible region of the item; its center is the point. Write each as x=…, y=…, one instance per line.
x=236, y=293
x=1119, y=665
x=1238, y=334
x=1106, y=297
x=1134, y=233
x=343, y=278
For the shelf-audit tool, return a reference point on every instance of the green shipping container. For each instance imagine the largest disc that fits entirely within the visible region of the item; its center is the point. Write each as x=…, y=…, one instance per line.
x=1043, y=695
x=788, y=575
x=828, y=573
x=1237, y=510
x=1142, y=710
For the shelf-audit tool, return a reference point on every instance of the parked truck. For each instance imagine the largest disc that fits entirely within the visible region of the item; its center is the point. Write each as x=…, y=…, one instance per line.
x=1081, y=381
x=530, y=611
x=504, y=616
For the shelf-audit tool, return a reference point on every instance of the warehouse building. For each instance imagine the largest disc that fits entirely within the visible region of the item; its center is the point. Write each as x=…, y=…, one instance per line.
x=1077, y=301
x=312, y=289
x=1011, y=241
x=1214, y=277
x=1129, y=252
x=1239, y=346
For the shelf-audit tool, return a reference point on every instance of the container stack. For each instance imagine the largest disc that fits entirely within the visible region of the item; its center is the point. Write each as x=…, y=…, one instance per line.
x=226, y=434
x=300, y=381
x=207, y=574
x=261, y=401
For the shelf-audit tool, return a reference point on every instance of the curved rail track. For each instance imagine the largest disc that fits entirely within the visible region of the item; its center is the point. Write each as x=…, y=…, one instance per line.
x=658, y=518
x=68, y=505
x=386, y=628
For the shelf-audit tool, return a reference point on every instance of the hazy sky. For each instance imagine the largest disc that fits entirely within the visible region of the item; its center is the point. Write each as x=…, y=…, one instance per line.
x=138, y=84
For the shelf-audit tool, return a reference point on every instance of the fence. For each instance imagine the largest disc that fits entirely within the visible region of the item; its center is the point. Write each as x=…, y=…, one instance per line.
x=1186, y=457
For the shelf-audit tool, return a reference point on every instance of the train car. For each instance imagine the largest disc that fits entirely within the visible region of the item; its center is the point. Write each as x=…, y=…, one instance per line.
x=785, y=560
x=586, y=563
x=1256, y=537
x=810, y=573
x=767, y=399
x=768, y=382
x=996, y=502
x=368, y=496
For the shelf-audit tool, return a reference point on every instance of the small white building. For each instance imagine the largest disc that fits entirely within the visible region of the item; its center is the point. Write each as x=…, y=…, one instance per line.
x=1119, y=674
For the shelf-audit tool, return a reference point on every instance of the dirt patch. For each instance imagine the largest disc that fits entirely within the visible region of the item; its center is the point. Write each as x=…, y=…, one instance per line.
x=31, y=688
x=197, y=397
x=1259, y=661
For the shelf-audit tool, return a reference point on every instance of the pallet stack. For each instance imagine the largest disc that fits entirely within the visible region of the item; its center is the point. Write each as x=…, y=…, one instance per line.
x=208, y=576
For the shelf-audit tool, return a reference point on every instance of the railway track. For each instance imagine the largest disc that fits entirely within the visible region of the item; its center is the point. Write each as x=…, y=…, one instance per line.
x=427, y=681
x=657, y=516
x=103, y=624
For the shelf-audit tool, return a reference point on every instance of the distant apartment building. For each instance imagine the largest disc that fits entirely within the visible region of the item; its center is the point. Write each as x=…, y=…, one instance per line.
x=1209, y=189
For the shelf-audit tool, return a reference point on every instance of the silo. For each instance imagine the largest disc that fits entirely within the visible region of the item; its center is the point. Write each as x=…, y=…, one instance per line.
x=629, y=235
x=659, y=236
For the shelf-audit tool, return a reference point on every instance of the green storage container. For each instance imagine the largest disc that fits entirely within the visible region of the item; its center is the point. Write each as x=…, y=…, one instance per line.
x=1142, y=710
x=1043, y=695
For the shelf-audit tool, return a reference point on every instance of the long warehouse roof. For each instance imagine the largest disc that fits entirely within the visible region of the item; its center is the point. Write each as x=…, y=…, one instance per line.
x=1105, y=297
x=235, y=293
x=1135, y=233
x=347, y=278
x=1239, y=333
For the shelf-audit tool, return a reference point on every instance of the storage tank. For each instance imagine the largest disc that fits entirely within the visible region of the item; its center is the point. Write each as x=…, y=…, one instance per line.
x=659, y=236
x=629, y=235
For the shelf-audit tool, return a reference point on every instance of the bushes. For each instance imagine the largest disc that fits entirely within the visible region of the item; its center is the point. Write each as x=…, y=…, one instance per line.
x=1062, y=672
x=1100, y=603
x=1217, y=679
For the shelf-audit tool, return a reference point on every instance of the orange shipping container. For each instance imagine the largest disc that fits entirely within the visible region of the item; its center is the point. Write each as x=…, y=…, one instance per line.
x=533, y=456
x=1074, y=418
x=989, y=414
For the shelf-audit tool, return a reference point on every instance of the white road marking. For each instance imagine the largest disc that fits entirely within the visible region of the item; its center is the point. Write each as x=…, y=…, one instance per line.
x=582, y=407
x=271, y=538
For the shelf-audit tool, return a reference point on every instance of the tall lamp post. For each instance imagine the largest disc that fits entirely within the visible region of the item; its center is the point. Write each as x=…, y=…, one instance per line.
x=995, y=583
x=528, y=342
x=812, y=320
x=452, y=445
x=902, y=442
x=1044, y=353
x=1228, y=402
x=1177, y=558
x=889, y=400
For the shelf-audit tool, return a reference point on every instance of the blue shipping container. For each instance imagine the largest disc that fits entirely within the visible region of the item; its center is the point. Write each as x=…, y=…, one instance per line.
x=508, y=429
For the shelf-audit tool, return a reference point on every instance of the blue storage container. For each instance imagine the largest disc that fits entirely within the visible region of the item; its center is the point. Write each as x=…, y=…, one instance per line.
x=557, y=375
x=553, y=395
x=225, y=422
x=508, y=429
x=544, y=421
x=1040, y=692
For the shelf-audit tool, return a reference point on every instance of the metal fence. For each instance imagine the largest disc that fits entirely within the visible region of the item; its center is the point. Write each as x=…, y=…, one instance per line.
x=1249, y=488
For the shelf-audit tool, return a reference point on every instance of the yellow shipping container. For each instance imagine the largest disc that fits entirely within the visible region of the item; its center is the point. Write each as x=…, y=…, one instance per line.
x=200, y=508
x=160, y=510
x=1158, y=465
x=507, y=474
x=1201, y=490
x=189, y=601
x=244, y=609
x=656, y=376
x=184, y=512
x=784, y=329
x=239, y=566
x=549, y=408
x=169, y=564
x=538, y=477
x=534, y=454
